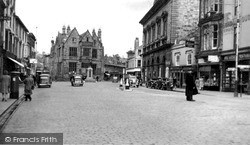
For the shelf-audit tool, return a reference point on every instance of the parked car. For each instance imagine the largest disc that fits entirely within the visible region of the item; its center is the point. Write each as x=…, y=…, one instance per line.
x=44, y=80
x=115, y=79
x=77, y=80
x=133, y=81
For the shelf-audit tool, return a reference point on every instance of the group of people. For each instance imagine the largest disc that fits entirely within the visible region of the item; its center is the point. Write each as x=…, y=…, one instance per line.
x=5, y=82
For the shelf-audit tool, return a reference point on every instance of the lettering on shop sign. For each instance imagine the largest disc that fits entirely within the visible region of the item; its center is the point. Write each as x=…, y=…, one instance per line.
x=241, y=57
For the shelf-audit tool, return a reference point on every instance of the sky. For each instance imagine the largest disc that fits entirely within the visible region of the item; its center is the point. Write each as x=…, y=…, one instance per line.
x=118, y=20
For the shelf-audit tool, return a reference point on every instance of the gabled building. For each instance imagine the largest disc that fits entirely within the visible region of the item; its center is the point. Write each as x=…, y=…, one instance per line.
x=134, y=60
x=72, y=52
x=166, y=23
x=183, y=61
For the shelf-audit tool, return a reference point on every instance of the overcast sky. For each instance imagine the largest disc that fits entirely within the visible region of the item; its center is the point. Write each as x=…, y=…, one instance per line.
x=118, y=19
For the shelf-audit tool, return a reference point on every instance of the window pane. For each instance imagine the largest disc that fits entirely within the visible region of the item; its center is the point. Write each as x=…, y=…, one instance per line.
x=86, y=51
x=94, y=53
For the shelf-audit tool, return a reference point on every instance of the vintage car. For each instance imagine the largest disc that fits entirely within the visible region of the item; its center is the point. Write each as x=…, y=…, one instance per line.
x=44, y=80
x=134, y=82
x=77, y=80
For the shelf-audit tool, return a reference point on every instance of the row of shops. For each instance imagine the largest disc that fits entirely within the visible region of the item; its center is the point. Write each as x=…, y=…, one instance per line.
x=218, y=76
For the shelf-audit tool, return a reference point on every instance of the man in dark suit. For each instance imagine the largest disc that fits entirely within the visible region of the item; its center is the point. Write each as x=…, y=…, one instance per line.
x=190, y=87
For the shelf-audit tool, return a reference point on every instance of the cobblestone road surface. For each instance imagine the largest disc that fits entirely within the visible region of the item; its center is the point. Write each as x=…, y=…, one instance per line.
x=101, y=114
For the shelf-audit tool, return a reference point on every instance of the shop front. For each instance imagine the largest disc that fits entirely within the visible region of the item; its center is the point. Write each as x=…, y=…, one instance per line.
x=179, y=73
x=243, y=73
x=210, y=75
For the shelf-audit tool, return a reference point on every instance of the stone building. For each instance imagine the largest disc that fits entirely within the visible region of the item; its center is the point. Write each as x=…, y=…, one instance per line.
x=211, y=42
x=166, y=23
x=72, y=52
x=183, y=61
x=230, y=37
x=134, y=60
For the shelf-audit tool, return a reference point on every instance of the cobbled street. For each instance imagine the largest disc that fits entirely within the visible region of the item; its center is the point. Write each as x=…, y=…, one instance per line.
x=101, y=114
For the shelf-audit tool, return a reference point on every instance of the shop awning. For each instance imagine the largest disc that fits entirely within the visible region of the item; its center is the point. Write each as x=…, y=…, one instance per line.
x=16, y=62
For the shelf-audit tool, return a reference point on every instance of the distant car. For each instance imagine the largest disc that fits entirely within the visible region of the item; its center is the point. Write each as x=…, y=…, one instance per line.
x=134, y=82
x=77, y=80
x=44, y=80
x=115, y=79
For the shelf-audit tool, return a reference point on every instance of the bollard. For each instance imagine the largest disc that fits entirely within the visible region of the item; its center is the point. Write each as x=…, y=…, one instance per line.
x=121, y=83
x=127, y=85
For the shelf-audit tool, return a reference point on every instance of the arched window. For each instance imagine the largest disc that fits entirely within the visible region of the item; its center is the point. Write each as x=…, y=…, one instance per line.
x=163, y=59
x=158, y=60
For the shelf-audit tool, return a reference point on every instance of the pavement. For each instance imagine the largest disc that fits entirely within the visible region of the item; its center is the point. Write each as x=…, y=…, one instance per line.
x=5, y=105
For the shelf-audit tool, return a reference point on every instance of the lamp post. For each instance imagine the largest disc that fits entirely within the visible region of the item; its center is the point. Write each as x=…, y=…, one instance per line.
x=237, y=50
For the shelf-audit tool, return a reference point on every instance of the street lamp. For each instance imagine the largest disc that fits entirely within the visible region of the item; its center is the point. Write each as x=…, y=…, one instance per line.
x=237, y=50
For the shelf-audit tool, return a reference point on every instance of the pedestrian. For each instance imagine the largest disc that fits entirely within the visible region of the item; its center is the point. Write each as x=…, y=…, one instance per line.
x=190, y=87
x=197, y=83
x=97, y=78
x=29, y=86
x=5, y=85
x=175, y=82
x=201, y=83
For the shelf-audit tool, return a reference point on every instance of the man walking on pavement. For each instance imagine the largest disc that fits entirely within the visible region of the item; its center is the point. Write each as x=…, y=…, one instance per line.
x=29, y=86
x=5, y=88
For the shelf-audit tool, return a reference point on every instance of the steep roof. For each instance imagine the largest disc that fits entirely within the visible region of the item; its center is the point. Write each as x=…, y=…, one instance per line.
x=70, y=33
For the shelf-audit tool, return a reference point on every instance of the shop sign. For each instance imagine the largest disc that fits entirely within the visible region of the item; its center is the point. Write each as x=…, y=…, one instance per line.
x=201, y=60
x=244, y=67
x=189, y=43
x=241, y=57
x=213, y=58
x=33, y=60
x=231, y=69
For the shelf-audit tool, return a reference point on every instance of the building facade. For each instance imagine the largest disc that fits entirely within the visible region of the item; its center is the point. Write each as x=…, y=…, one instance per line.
x=72, y=52
x=183, y=61
x=134, y=61
x=13, y=39
x=211, y=43
x=166, y=23
x=230, y=40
